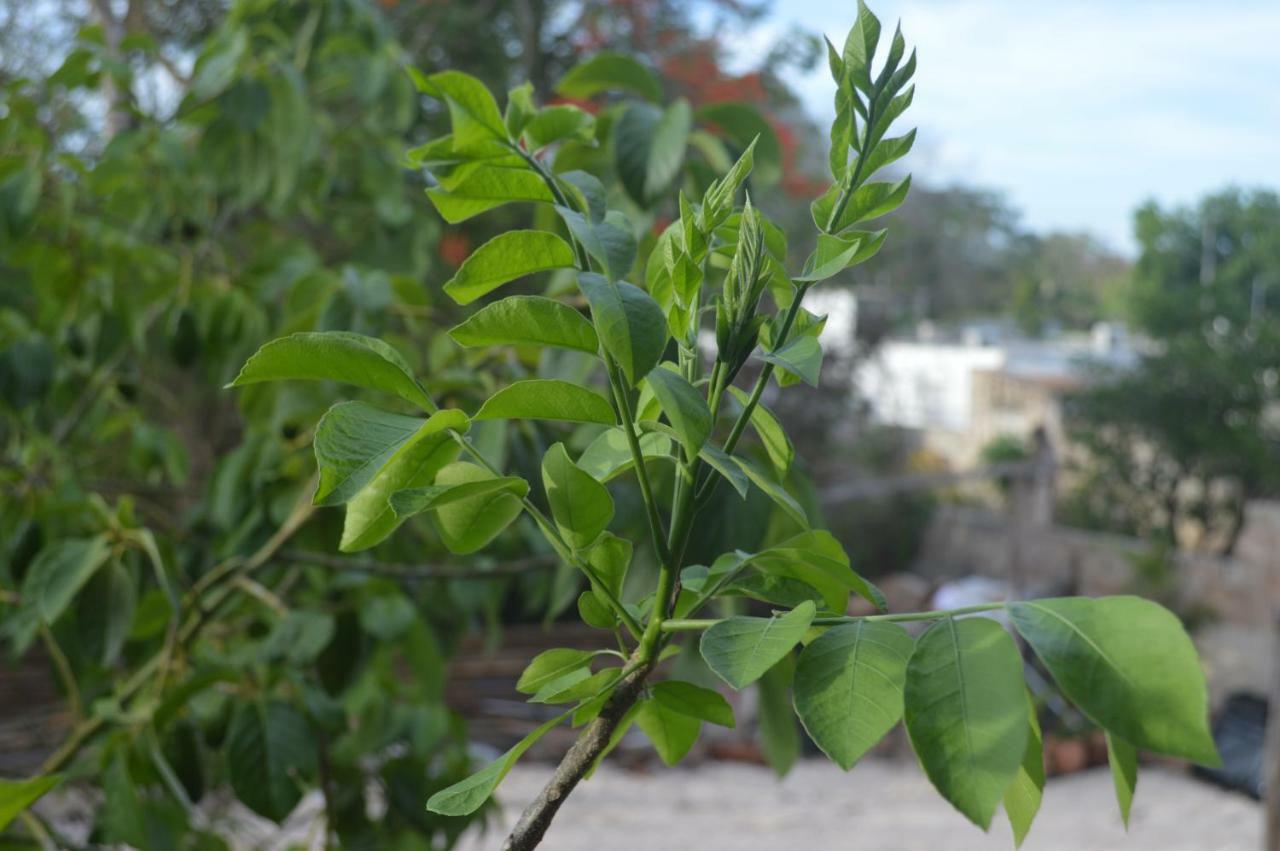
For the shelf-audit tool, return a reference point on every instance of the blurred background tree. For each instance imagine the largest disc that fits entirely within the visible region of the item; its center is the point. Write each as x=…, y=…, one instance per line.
x=179, y=182
x=1174, y=447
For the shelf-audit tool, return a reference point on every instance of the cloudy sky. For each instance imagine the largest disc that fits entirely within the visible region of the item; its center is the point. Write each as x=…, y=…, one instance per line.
x=1081, y=109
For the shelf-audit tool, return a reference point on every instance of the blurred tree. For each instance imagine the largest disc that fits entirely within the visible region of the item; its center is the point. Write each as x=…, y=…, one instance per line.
x=178, y=182
x=1214, y=264
x=1175, y=446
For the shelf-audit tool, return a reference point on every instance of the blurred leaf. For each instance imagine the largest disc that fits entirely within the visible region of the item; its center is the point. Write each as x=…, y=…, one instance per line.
x=17, y=795
x=649, y=146
x=270, y=752
x=607, y=71
x=59, y=572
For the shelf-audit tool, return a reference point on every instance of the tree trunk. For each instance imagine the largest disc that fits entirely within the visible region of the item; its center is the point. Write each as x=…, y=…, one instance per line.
x=593, y=741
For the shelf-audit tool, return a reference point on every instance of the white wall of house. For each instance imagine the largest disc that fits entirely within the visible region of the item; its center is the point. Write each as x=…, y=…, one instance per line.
x=924, y=385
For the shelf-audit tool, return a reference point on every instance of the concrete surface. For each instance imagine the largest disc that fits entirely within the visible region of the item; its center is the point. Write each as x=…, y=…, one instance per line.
x=879, y=806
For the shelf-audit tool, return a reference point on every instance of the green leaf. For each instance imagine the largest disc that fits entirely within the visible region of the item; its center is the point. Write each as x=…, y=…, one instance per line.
x=860, y=46
x=370, y=517
x=580, y=685
x=965, y=707
x=649, y=145
x=741, y=649
x=607, y=71
x=869, y=201
x=556, y=123
x=848, y=687
x=745, y=125
x=816, y=558
x=412, y=501
x=609, y=455
x=335, y=356
x=107, y=608
x=353, y=442
x=888, y=151
x=1123, y=758
x=672, y=733
x=473, y=113
x=530, y=321
x=834, y=254
x=587, y=190
x=717, y=202
x=802, y=356
x=1022, y=798
x=722, y=463
x=551, y=665
x=779, y=734
x=469, y=524
x=774, y=491
x=466, y=796
x=1129, y=665
x=504, y=258
x=481, y=187
x=771, y=433
x=684, y=407
x=520, y=109
x=611, y=558
x=695, y=701
x=59, y=572
x=298, y=638
x=581, y=506
x=630, y=323
x=610, y=241
x=594, y=612
x=270, y=752
x=17, y=795
x=547, y=399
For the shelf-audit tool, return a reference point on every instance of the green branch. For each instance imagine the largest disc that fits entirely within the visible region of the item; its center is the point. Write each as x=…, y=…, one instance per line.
x=700, y=624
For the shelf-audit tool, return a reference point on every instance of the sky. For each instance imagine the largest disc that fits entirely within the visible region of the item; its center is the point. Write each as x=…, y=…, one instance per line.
x=1078, y=110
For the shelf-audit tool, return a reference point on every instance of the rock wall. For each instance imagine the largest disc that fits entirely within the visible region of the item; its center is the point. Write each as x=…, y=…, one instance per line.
x=1233, y=603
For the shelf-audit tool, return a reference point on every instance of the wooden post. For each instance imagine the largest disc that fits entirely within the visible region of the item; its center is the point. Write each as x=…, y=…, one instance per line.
x=1271, y=751
x=1030, y=506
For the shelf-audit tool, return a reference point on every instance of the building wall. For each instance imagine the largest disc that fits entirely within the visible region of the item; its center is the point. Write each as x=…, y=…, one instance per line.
x=926, y=386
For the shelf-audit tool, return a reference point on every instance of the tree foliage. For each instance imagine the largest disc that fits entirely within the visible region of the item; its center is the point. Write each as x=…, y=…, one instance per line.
x=1176, y=445
x=958, y=687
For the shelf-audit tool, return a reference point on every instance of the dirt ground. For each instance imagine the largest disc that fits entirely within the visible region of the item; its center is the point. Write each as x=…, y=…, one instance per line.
x=879, y=806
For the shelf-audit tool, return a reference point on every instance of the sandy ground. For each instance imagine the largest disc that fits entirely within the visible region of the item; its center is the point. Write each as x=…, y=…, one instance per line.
x=879, y=806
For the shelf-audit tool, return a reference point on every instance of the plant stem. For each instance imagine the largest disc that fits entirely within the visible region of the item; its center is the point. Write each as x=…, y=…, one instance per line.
x=579, y=759
x=562, y=548
x=699, y=624
x=65, y=674
x=146, y=674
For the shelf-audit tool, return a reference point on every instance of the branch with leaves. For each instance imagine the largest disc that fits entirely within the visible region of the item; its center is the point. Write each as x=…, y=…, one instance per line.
x=659, y=412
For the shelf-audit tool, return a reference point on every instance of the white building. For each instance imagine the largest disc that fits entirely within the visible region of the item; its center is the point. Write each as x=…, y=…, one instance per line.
x=964, y=389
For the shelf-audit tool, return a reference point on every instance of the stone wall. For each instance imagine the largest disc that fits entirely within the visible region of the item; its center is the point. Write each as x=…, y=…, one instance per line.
x=1235, y=600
